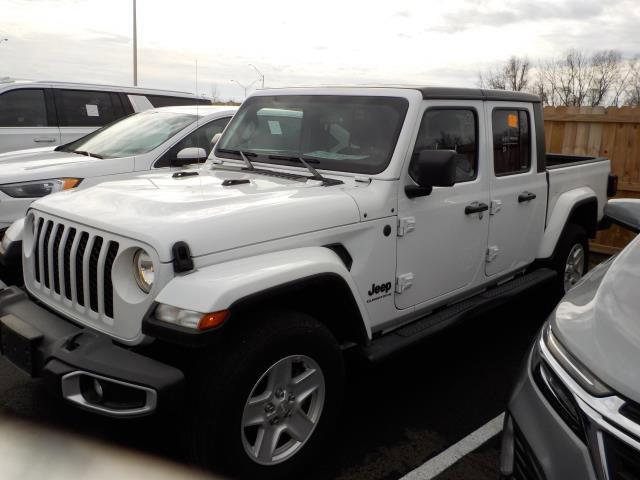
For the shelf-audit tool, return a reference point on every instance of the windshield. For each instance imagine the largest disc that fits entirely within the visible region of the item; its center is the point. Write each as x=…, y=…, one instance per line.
x=133, y=135
x=345, y=133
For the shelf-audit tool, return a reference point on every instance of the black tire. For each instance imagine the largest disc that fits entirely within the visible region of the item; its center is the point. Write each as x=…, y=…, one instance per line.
x=220, y=389
x=572, y=236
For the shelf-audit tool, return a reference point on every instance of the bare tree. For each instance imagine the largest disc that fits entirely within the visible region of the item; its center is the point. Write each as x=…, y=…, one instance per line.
x=606, y=70
x=632, y=87
x=513, y=75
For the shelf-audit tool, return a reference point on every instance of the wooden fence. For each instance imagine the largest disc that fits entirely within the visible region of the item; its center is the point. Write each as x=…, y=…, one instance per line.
x=608, y=132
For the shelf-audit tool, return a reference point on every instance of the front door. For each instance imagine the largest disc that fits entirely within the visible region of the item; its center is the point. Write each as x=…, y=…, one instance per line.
x=443, y=236
x=518, y=190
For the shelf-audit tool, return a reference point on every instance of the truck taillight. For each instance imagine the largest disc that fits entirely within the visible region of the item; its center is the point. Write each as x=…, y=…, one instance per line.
x=612, y=186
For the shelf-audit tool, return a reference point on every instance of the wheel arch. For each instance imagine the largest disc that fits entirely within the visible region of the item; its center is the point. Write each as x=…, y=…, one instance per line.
x=579, y=207
x=314, y=280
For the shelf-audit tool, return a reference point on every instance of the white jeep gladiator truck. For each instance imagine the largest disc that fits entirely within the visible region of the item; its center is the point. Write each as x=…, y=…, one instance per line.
x=326, y=220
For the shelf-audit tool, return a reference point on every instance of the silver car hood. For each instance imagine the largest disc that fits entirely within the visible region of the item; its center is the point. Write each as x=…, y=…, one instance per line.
x=599, y=321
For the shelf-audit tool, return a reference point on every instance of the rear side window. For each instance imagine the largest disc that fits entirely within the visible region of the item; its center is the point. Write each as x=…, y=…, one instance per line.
x=452, y=129
x=511, y=142
x=23, y=108
x=164, y=101
x=86, y=108
x=199, y=138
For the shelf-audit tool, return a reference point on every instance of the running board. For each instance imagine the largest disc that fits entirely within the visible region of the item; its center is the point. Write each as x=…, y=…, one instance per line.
x=383, y=347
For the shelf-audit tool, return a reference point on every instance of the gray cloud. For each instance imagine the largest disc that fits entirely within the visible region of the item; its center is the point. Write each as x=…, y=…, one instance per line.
x=524, y=11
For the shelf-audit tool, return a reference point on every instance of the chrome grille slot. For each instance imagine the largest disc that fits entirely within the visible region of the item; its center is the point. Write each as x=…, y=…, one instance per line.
x=36, y=254
x=108, y=285
x=66, y=262
x=56, y=258
x=45, y=253
x=82, y=246
x=93, y=273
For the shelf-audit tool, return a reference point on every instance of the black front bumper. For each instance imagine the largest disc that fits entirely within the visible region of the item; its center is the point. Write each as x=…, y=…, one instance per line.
x=45, y=345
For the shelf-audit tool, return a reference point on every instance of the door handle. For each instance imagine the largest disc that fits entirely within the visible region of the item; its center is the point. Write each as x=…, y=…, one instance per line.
x=44, y=140
x=476, y=207
x=526, y=197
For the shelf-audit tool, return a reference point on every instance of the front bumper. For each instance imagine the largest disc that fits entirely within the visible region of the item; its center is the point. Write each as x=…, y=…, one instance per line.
x=544, y=447
x=81, y=365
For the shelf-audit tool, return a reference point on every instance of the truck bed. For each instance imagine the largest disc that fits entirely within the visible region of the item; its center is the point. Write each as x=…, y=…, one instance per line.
x=559, y=160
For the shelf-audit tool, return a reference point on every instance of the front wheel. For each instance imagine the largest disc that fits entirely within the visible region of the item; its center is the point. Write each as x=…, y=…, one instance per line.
x=571, y=261
x=271, y=406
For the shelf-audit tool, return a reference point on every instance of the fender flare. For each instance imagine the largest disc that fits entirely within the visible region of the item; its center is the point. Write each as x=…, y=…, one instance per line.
x=566, y=204
x=225, y=285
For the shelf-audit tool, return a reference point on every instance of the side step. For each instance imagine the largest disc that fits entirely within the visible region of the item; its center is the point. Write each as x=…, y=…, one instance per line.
x=397, y=340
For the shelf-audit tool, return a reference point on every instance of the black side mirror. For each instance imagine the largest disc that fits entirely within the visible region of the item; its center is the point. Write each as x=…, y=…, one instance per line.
x=431, y=168
x=624, y=212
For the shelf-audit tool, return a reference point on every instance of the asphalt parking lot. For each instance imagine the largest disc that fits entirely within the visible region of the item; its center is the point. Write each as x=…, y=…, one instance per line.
x=396, y=416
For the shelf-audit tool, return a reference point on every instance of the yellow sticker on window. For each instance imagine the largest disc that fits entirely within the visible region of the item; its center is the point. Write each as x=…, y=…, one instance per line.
x=512, y=120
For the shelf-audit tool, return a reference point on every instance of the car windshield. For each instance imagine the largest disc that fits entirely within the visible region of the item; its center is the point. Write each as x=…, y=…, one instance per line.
x=133, y=135
x=345, y=133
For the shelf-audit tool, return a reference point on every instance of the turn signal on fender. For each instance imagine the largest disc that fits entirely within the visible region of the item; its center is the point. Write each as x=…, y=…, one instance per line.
x=213, y=320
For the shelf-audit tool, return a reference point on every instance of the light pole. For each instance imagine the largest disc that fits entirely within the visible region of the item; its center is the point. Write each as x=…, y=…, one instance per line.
x=244, y=87
x=135, y=46
x=261, y=75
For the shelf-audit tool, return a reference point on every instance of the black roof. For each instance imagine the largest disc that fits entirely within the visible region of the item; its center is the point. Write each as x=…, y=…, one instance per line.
x=445, y=93
x=450, y=93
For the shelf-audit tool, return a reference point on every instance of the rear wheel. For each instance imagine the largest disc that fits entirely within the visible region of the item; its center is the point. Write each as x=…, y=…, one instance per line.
x=273, y=400
x=571, y=261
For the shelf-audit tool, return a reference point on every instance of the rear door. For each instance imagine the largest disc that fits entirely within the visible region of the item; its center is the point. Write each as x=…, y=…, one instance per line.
x=518, y=190
x=27, y=119
x=80, y=112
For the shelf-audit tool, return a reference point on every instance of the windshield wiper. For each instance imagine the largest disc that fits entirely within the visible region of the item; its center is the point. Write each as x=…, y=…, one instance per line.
x=314, y=172
x=86, y=154
x=243, y=156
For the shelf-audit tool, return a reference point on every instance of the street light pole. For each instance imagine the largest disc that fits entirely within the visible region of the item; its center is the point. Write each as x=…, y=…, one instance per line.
x=135, y=46
x=261, y=75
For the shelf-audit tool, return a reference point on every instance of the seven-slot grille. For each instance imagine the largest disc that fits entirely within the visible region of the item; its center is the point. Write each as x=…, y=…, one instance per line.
x=75, y=264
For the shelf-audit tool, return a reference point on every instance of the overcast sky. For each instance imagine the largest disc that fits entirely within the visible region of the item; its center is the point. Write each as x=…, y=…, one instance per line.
x=299, y=42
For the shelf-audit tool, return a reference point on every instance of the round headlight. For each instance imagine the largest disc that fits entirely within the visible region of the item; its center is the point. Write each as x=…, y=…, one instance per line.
x=143, y=270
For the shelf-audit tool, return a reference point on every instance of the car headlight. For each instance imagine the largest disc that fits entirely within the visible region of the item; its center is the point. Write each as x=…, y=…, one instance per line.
x=143, y=270
x=578, y=372
x=39, y=188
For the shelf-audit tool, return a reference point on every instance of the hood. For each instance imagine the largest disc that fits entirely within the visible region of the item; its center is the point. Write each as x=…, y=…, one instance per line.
x=599, y=321
x=161, y=210
x=40, y=165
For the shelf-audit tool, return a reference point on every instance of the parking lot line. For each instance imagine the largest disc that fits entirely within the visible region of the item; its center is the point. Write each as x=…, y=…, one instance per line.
x=455, y=452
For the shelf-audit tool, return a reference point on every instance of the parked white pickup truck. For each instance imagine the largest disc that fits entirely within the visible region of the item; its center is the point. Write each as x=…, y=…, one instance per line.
x=330, y=219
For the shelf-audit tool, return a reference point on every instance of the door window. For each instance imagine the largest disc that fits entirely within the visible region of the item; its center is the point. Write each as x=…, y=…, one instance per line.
x=85, y=108
x=199, y=138
x=511, y=141
x=452, y=129
x=23, y=108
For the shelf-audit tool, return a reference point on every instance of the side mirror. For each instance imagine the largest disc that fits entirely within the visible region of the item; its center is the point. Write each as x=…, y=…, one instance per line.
x=191, y=155
x=431, y=168
x=624, y=212
x=215, y=139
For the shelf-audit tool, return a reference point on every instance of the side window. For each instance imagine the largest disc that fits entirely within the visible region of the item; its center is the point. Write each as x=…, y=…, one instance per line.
x=165, y=101
x=199, y=138
x=23, y=108
x=85, y=108
x=452, y=129
x=511, y=141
